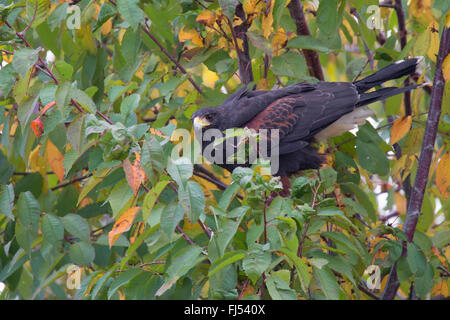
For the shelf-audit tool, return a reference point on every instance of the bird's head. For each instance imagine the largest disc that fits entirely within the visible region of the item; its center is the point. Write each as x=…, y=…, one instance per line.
x=208, y=118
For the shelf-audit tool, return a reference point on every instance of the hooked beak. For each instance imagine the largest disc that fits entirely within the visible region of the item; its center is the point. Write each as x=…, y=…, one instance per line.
x=200, y=123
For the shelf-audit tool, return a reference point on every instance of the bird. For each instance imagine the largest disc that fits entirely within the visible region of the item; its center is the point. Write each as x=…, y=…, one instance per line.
x=304, y=113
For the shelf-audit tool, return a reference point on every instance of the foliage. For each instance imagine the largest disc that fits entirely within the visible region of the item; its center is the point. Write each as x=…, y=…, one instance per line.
x=87, y=177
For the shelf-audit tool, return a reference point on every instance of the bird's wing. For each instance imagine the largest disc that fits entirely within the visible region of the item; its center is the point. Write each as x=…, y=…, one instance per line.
x=300, y=116
x=243, y=105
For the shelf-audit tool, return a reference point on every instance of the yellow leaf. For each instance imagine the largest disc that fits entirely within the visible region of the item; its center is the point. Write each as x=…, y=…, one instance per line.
x=209, y=77
x=250, y=6
x=443, y=175
x=434, y=42
x=279, y=41
x=55, y=159
x=134, y=174
x=446, y=68
x=36, y=162
x=107, y=27
x=441, y=288
x=400, y=128
x=263, y=84
x=207, y=18
x=193, y=35
x=85, y=35
x=267, y=21
x=400, y=202
x=421, y=10
x=123, y=224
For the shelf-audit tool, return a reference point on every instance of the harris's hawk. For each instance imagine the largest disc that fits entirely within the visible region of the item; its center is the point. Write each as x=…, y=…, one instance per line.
x=303, y=113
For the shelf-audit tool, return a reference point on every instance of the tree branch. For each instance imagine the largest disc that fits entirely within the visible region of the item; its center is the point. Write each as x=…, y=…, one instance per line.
x=429, y=139
x=312, y=58
x=240, y=32
x=65, y=184
x=426, y=155
x=171, y=58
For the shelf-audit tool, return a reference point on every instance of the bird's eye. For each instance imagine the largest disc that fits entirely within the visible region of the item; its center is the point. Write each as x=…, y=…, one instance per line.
x=209, y=117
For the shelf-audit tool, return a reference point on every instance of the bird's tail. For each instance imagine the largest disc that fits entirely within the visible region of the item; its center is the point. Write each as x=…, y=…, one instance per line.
x=384, y=93
x=393, y=71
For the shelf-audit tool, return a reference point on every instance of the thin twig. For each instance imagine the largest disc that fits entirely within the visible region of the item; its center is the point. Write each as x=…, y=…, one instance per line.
x=368, y=292
x=32, y=19
x=188, y=240
x=65, y=184
x=171, y=58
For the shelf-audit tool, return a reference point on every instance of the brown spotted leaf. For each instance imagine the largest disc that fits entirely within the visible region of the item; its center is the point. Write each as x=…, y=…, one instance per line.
x=123, y=224
x=443, y=175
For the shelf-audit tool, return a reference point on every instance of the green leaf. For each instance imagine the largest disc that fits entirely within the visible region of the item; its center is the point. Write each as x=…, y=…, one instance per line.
x=183, y=261
x=172, y=216
x=227, y=195
x=227, y=259
x=300, y=266
x=6, y=169
x=129, y=104
x=37, y=11
x=75, y=134
x=24, y=59
x=7, y=200
x=362, y=197
x=107, y=11
x=130, y=12
x=308, y=42
x=180, y=170
x=256, y=261
x=151, y=197
x=52, y=228
x=82, y=253
x=23, y=236
x=372, y=158
x=192, y=199
x=328, y=176
x=279, y=289
x=424, y=283
x=441, y=239
x=290, y=64
x=327, y=17
x=330, y=211
x=100, y=283
x=76, y=226
x=64, y=69
x=84, y=100
x=28, y=211
x=416, y=260
x=7, y=79
x=327, y=282
x=228, y=228
x=123, y=279
x=120, y=195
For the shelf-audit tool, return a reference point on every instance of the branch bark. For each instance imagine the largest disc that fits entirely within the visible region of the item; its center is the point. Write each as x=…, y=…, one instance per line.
x=312, y=58
x=426, y=155
x=240, y=32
